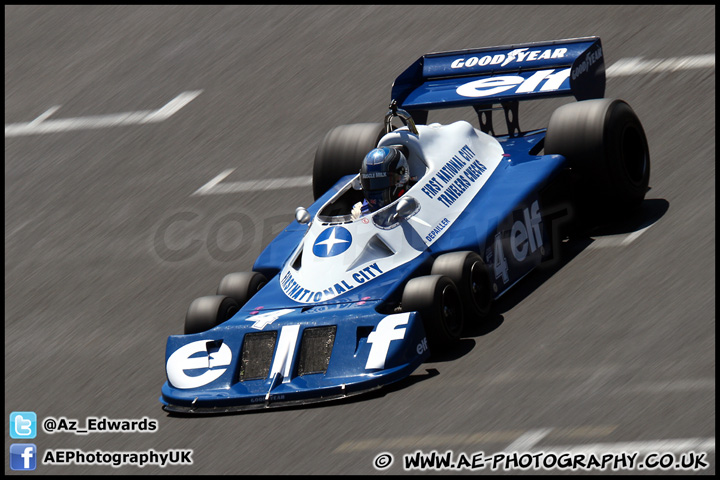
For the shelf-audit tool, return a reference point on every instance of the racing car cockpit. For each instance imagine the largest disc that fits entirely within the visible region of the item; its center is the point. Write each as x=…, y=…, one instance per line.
x=383, y=179
x=387, y=172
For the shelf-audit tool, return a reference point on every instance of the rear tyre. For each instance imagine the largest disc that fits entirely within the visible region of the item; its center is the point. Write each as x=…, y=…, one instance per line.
x=241, y=286
x=341, y=153
x=473, y=280
x=606, y=147
x=208, y=312
x=436, y=299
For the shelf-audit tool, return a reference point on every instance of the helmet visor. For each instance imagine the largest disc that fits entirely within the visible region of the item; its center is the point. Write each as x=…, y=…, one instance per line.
x=376, y=180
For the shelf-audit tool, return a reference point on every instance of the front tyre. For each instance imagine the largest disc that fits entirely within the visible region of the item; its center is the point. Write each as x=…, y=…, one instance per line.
x=241, y=286
x=436, y=299
x=208, y=312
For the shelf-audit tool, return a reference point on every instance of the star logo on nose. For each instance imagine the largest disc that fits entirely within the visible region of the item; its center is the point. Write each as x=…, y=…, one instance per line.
x=332, y=241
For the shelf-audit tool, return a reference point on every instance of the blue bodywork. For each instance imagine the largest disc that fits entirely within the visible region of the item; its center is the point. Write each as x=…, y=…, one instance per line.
x=502, y=223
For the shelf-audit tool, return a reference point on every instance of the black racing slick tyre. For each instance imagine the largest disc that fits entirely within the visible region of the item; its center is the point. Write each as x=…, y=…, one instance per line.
x=607, y=150
x=208, y=312
x=436, y=299
x=341, y=153
x=473, y=279
x=241, y=286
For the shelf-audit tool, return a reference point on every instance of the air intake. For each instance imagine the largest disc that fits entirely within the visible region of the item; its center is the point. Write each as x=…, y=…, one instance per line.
x=297, y=263
x=257, y=353
x=315, y=348
x=375, y=248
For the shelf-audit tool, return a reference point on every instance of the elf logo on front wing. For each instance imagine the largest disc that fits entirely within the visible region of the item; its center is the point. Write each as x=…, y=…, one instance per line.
x=332, y=241
x=540, y=81
x=205, y=367
x=385, y=332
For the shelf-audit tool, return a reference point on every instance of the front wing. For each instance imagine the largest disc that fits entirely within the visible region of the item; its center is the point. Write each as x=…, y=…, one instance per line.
x=291, y=357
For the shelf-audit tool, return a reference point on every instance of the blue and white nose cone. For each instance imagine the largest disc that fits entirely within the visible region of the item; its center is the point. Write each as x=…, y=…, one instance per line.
x=332, y=241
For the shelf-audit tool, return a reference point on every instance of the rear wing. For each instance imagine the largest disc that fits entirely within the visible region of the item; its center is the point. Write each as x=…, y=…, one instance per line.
x=485, y=76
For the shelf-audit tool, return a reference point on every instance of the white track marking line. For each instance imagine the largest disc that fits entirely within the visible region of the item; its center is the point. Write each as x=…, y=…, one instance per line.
x=252, y=185
x=40, y=125
x=634, y=236
x=211, y=184
x=44, y=116
x=617, y=240
x=635, y=66
x=172, y=107
x=528, y=440
x=674, y=445
x=77, y=123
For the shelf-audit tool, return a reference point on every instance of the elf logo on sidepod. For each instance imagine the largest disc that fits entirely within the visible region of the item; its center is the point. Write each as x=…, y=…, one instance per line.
x=332, y=241
x=188, y=359
x=527, y=233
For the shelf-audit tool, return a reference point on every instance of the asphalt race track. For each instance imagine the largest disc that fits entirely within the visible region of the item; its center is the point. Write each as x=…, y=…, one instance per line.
x=112, y=228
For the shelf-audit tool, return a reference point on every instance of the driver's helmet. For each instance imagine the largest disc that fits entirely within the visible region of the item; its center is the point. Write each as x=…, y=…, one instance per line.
x=384, y=176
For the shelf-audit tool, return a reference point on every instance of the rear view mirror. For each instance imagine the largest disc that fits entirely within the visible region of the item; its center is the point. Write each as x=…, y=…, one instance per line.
x=302, y=215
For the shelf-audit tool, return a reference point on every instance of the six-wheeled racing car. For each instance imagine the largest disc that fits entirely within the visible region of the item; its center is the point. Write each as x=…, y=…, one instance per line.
x=340, y=303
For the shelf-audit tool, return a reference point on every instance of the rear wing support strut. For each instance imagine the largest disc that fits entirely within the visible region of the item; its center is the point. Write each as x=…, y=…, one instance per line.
x=512, y=119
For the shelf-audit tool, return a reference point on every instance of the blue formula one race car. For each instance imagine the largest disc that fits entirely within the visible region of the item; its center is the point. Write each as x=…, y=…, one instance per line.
x=355, y=293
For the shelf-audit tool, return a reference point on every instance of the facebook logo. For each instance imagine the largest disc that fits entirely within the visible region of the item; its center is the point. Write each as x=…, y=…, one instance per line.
x=23, y=425
x=23, y=456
